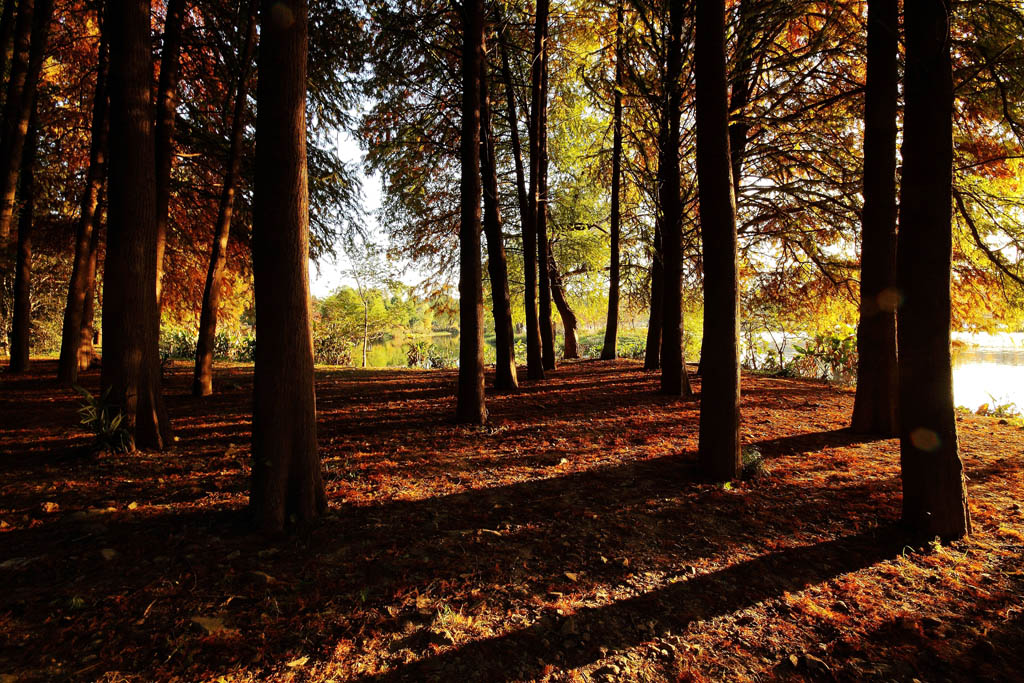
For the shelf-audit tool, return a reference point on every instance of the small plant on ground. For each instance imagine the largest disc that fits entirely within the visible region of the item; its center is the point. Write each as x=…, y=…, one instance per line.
x=105, y=421
x=753, y=463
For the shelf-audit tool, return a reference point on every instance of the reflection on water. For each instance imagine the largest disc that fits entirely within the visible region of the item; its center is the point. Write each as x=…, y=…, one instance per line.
x=988, y=375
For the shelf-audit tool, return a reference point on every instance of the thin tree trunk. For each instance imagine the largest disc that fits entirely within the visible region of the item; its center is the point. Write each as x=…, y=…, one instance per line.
x=131, y=363
x=652, y=351
x=874, y=409
x=534, y=354
x=934, y=494
x=166, y=106
x=547, y=327
x=611, y=330
x=366, y=328
x=202, y=380
x=31, y=32
x=87, y=334
x=21, y=322
x=674, y=380
x=471, y=407
x=287, y=485
x=497, y=263
x=71, y=333
x=569, y=323
x=719, y=451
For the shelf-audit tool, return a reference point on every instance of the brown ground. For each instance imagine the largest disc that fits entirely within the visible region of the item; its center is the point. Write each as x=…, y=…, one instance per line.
x=568, y=540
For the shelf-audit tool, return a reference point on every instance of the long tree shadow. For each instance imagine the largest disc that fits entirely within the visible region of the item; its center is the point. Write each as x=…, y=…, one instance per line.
x=812, y=442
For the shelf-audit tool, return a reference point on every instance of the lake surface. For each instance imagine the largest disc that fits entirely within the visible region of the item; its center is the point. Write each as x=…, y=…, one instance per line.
x=988, y=374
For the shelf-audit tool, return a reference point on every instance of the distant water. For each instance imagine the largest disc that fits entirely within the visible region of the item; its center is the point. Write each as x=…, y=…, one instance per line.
x=989, y=369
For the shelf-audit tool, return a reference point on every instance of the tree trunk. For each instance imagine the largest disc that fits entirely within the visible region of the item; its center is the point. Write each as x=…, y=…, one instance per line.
x=471, y=407
x=6, y=34
x=166, y=106
x=202, y=380
x=366, y=328
x=131, y=362
x=673, y=368
x=71, y=333
x=547, y=328
x=286, y=476
x=497, y=263
x=31, y=32
x=874, y=409
x=611, y=330
x=652, y=351
x=21, y=322
x=534, y=354
x=719, y=451
x=534, y=362
x=934, y=495
x=569, y=323
x=87, y=334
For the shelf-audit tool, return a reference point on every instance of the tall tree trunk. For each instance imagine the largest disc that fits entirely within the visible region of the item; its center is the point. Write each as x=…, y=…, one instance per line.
x=131, y=362
x=87, y=334
x=202, y=378
x=547, y=327
x=652, y=352
x=31, y=32
x=166, y=106
x=719, y=451
x=534, y=354
x=497, y=263
x=934, y=495
x=74, y=309
x=571, y=348
x=287, y=485
x=674, y=380
x=21, y=322
x=874, y=409
x=611, y=330
x=471, y=407
x=366, y=329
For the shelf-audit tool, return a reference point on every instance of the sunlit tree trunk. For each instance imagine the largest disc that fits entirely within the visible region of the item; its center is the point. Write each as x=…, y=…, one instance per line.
x=287, y=485
x=78, y=288
x=571, y=348
x=934, y=494
x=719, y=451
x=673, y=369
x=21, y=322
x=202, y=380
x=534, y=338
x=166, y=106
x=470, y=406
x=131, y=363
x=31, y=32
x=874, y=409
x=611, y=330
x=497, y=263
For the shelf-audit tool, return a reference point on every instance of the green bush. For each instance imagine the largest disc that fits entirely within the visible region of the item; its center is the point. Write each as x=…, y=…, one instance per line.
x=105, y=421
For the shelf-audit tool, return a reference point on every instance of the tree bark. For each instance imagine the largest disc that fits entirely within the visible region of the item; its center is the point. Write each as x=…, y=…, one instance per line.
x=366, y=328
x=571, y=348
x=534, y=354
x=875, y=406
x=287, y=485
x=934, y=494
x=6, y=34
x=202, y=379
x=611, y=330
x=471, y=407
x=673, y=368
x=87, y=335
x=78, y=289
x=21, y=322
x=547, y=327
x=652, y=351
x=166, y=106
x=497, y=263
x=719, y=451
x=31, y=31
x=131, y=363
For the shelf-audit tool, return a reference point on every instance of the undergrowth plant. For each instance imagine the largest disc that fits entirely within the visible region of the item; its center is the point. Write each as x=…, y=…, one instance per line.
x=101, y=417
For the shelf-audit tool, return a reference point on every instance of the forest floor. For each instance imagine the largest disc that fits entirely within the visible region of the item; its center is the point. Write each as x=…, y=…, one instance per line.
x=567, y=540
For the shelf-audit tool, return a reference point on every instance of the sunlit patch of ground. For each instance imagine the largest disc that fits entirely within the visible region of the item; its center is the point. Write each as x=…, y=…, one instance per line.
x=568, y=539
